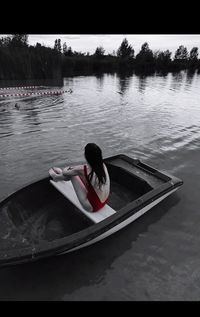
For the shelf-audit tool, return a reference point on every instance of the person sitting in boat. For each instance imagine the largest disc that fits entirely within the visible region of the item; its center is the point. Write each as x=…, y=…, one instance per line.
x=91, y=181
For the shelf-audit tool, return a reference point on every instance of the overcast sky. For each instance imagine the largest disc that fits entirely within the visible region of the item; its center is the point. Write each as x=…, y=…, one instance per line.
x=89, y=42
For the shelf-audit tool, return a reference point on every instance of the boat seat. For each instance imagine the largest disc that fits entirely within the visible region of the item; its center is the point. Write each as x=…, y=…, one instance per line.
x=67, y=189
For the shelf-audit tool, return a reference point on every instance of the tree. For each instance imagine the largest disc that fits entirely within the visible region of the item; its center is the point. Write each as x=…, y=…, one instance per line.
x=5, y=41
x=57, y=45
x=19, y=40
x=64, y=47
x=194, y=54
x=125, y=50
x=181, y=58
x=69, y=51
x=75, y=53
x=145, y=59
x=145, y=53
x=193, y=58
x=99, y=51
x=163, y=59
x=181, y=53
x=145, y=47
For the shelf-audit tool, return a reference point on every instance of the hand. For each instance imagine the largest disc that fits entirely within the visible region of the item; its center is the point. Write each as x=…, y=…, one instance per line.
x=53, y=173
x=57, y=170
x=66, y=169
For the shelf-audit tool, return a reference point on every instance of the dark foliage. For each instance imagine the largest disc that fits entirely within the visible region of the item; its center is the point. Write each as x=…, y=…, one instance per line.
x=18, y=60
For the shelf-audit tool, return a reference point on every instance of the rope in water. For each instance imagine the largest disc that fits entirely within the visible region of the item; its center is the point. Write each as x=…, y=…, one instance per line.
x=34, y=93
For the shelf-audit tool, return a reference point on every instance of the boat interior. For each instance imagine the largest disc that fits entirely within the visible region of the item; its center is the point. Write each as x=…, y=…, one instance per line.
x=40, y=212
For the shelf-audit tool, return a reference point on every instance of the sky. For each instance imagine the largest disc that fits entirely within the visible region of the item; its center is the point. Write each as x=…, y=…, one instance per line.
x=110, y=42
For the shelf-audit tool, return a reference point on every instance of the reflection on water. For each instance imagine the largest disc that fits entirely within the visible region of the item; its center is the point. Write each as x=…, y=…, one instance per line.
x=54, y=129
x=178, y=80
x=100, y=81
x=190, y=77
x=160, y=125
x=92, y=265
x=124, y=83
x=142, y=83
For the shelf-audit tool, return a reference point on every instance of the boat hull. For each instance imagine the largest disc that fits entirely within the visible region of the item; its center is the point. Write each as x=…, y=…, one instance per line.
x=122, y=224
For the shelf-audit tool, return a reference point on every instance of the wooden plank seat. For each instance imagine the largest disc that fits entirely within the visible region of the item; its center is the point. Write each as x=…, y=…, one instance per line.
x=67, y=189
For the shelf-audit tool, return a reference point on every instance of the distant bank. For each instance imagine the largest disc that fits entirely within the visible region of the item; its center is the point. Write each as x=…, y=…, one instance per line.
x=18, y=60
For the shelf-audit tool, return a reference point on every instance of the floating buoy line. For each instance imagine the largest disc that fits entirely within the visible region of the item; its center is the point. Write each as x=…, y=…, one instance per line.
x=19, y=87
x=57, y=92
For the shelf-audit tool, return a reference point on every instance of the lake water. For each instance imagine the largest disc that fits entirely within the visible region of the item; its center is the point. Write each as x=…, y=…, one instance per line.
x=153, y=118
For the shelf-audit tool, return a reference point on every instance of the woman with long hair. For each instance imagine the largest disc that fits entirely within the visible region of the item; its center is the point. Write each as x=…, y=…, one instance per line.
x=91, y=181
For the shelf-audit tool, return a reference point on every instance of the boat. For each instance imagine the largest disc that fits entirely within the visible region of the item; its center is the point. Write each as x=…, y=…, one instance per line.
x=45, y=218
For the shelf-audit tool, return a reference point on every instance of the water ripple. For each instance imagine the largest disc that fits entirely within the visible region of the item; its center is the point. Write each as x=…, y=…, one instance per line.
x=153, y=118
x=147, y=116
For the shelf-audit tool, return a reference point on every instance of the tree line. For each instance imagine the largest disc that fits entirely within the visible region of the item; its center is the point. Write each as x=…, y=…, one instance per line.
x=125, y=59
x=18, y=60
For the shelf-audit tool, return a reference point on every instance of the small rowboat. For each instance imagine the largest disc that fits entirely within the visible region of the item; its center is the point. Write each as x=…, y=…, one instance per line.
x=45, y=218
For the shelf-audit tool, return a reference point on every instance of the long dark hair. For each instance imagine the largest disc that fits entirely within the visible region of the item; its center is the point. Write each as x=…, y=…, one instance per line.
x=93, y=155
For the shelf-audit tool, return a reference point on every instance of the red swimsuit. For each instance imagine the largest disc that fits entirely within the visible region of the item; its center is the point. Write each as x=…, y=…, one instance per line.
x=92, y=195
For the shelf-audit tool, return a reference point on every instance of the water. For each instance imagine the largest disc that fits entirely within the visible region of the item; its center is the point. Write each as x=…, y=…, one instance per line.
x=153, y=118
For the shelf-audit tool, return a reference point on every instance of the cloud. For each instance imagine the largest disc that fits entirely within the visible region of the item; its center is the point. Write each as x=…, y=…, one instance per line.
x=71, y=37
